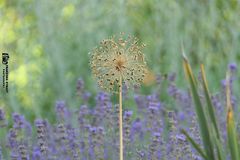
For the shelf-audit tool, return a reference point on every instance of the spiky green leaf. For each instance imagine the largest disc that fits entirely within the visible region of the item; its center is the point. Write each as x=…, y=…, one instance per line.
x=208, y=146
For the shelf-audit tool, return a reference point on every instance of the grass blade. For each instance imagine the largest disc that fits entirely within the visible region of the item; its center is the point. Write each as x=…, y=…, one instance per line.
x=200, y=113
x=194, y=144
x=231, y=128
x=218, y=143
x=209, y=102
x=212, y=116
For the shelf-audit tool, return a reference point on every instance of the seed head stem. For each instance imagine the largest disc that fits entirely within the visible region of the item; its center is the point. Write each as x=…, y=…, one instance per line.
x=120, y=121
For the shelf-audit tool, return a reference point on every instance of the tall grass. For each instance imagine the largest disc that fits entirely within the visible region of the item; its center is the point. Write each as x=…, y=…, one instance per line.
x=213, y=145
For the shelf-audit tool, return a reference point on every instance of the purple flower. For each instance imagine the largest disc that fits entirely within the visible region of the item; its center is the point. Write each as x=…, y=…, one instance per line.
x=102, y=98
x=159, y=79
x=181, y=116
x=141, y=155
x=12, y=138
x=172, y=90
x=232, y=67
x=128, y=114
x=223, y=83
x=2, y=118
x=61, y=109
x=41, y=136
x=137, y=125
x=153, y=109
x=181, y=137
x=36, y=154
x=156, y=135
x=22, y=150
x=18, y=120
x=2, y=115
x=137, y=129
x=86, y=96
x=80, y=85
x=154, y=146
x=93, y=130
x=172, y=77
x=15, y=156
x=140, y=101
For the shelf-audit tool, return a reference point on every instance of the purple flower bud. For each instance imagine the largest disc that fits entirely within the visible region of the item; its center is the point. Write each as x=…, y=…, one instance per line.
x=93, y=130
x=12, y=138
x=232, y=67
x=153, y=109
x=140, y=101
x=2, y=118
x=39, y=123
x=156, y=134
x=80, y=85
x=181, y=116
x=141, y=155
x=2, y=115
x=61, y=109
x=22, y=150
x=128, y=113
x=223, y=83
x=172, y=90
x=36, y=154
x=137, y=125
x=181, y=137
x=18, y=120
x=86, y=96
x=102, y=98
x=100, y=130
x=15, y=156
x=159, y=79
x=28, y=130
x=41, y=136
x=153, y=104
x=172, y=77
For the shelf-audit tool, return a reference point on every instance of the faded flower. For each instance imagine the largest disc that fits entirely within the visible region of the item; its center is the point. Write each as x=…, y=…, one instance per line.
x=118, y=59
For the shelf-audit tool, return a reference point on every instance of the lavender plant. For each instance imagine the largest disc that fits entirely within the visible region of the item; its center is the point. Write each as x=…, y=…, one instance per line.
x=151, y=127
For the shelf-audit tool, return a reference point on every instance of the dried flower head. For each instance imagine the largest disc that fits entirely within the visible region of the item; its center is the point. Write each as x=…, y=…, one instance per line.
x=118, y=58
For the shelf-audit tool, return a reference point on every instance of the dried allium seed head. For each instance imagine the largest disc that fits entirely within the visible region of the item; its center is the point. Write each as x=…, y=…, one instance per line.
x=117, y=58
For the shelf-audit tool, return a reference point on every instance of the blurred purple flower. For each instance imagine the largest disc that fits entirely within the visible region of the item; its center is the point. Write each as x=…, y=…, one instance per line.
x=12, y=138
x=232, y=67
x=2, y=115
x=61, y=110
x=172, y=77
x=80, y=85
x=86, y=96
x=140, y=101
x=18, y=120
x=128, y=114
x=3, y=122
x=36, y=154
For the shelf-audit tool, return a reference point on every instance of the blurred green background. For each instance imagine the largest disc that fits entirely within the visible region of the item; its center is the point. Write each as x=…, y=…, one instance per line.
x=49, y=41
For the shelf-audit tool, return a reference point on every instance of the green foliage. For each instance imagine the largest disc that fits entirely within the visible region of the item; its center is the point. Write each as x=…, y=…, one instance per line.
x=202, y=118
x=49, y=41
x=213, y=145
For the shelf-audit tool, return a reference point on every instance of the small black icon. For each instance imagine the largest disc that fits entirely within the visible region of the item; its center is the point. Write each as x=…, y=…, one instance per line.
x=5, y=58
